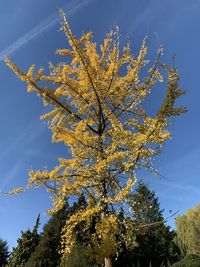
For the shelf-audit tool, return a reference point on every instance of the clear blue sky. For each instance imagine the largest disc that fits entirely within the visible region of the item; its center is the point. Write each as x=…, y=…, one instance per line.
x=29, y=34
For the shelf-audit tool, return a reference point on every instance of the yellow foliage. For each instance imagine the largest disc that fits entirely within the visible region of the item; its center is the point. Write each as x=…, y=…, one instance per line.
x=96, y=111
x=104, y=241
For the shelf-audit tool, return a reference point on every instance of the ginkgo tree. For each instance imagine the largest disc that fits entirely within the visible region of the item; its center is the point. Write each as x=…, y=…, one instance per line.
x=96, y=97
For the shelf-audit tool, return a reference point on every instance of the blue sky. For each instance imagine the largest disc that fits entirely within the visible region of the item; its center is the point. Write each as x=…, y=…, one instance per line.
x=29, y=34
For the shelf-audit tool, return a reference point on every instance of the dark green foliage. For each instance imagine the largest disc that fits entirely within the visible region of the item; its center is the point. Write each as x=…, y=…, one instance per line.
x=47, y=251
x=81, y=235
x=145, y=205
x=154, y=239
x=155, y=243
x=77, y=258
x=26, y=244
x=156, y=246
x=4, y=254
x=189, y=261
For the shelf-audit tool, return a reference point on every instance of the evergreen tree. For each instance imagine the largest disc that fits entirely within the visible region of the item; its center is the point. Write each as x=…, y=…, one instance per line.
x=77, y=258
x=26, y=244
x=47, y=251
x=154, y=239
x=4, y=254
x=145, y=206
x=155, y=243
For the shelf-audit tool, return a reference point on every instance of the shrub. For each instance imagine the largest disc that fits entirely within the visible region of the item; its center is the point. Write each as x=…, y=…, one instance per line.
x=189, y=261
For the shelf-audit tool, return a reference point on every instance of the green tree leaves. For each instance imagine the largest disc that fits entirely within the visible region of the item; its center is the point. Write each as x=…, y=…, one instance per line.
x=26, y=244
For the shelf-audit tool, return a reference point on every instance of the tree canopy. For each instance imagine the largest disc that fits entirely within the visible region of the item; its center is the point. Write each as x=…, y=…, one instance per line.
x=154, y=240
x=26, y=245
x=188, y=231
x=4, y=253
x=96, y=98
x=47, y=251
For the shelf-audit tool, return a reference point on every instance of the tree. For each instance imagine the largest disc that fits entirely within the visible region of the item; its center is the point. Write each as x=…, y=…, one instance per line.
x=96, y=111
x=4, y=254
x=188, y=231
x=156, y=245
x=145, y=206
x=46, y=252
x=155, y=241
x=26, y=245
x=189, y=261
x=77, y=258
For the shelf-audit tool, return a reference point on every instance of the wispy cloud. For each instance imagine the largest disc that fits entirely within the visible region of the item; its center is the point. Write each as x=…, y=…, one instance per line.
x=181, y=189
x=11, y=175
x=142, y=19
x=27, y=136
x=71, y=8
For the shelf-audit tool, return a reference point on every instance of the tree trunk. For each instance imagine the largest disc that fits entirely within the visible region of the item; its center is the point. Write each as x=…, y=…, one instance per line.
x=108, y=262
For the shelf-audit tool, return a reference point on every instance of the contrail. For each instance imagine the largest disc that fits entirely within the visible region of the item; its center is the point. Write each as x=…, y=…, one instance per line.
x=45, y=25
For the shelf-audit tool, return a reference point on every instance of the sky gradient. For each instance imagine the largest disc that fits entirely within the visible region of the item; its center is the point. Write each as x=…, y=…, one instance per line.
x=30, y=35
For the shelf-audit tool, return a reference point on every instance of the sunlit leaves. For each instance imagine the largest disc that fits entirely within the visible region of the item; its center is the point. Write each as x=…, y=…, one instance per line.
x=96, y=98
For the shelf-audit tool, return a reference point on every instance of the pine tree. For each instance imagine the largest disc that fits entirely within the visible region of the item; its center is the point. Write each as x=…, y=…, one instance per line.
x=4, y=253
x=97, y=98
x=47, y=252
x=154, y=237
x=145, y=206
x=26, y=245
